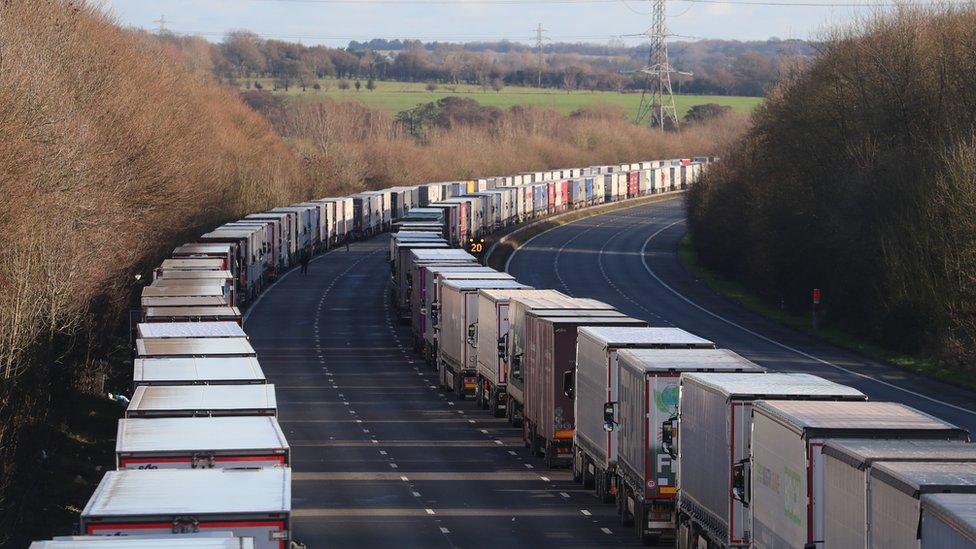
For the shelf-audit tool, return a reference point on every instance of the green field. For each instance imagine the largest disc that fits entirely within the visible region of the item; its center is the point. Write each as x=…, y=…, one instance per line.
x=400, y=96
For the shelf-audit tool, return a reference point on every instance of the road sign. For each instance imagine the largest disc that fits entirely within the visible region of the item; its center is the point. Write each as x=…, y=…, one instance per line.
x=816, y=296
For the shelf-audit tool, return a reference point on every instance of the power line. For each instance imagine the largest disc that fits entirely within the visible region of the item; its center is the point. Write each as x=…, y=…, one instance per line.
x=530, y=2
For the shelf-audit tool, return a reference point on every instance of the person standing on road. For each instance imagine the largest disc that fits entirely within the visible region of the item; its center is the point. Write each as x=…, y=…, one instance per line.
x=306, y=257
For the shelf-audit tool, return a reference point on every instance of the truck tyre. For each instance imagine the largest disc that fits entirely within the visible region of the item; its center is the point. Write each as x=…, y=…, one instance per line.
x=639, y=519
x=625, y=517
x=577, y=468
x=588, y=480
x=550, y=455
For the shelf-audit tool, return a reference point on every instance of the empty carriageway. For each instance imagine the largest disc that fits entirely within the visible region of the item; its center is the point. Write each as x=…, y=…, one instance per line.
x=381, y=457
x=628, y=259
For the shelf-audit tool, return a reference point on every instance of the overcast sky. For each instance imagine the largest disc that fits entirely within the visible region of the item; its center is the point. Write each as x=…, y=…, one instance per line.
x=336, y=23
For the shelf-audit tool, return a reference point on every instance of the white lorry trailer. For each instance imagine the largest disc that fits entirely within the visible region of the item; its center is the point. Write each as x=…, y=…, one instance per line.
x=894, y=506
x=200, y=443
x=252, y=503
x=594, y=383
x=948, y=521
x=788, y=464
x=647, y=400
x=458, y=338
x=713, y=431
x=847, y=471
x=235, y=370
x=202, y=400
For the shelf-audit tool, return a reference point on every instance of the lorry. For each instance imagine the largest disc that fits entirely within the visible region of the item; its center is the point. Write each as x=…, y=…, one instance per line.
x=713, y=448
x=548, y=405
x=516, y=345
x=894, y=506
x=647, y=399
x=202, y=400
x=948, y=521
x=201, y=443
x=787, y=464
x=224, y=540
x=595, y=383
x=253, y=503
x=424, y=292
x=847, y=476
x=197, y=371
x=207, y=313
x=169, y=330
x=458, y=329
x=490, y=337
x=194, y=347
x=432, y=310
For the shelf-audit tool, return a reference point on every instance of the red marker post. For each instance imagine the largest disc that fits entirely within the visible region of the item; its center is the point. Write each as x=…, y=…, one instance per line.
x=816, y=301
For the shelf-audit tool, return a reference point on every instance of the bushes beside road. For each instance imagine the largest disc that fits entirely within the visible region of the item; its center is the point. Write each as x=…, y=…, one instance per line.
x=859, y=177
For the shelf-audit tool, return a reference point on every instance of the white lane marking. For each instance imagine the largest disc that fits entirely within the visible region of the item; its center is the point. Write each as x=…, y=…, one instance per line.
x=374, y=441
x=394, y=466
x=606, y=531
x=585, y=512
x=415, y=494
x=512, y=452
x=382, y=452
x=498, y=442
x=529, y=241
x=430, y=511
x=529, y=466
x=564, y=495
x=546, y=479
x=472, y=421
x=445, y=530
x=267, y=290
x=485, y=431
x=777, y=343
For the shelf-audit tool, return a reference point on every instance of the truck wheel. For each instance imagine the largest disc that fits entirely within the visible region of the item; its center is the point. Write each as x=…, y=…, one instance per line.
x=577, y=470
x=458, y=384
x=639, y=519
x=598, y=481
x=605, y=495
x=550, y=455
x=588, y=481
x=625, y=516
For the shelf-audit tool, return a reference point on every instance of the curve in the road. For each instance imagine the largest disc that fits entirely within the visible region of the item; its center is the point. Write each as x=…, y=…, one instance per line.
x=629, y=259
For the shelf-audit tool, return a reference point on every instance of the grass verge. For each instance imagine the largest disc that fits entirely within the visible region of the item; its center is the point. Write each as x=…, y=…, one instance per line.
x=738, y=293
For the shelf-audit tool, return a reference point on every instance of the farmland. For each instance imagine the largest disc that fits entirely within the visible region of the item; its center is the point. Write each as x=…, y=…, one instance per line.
x=399, y=96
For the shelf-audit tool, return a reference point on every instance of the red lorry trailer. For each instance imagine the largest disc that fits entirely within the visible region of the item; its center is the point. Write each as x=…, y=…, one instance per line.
x=549, y=421
x=646, y=400
x=457, y=340
x=515, y=344
x=595, y=383
x=252, y=503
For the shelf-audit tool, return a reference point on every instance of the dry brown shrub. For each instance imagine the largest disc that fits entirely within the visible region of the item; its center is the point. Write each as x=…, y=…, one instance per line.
x=113, y=149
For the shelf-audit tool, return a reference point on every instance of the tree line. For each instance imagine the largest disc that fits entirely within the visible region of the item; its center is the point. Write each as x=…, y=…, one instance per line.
x=718, y=67
x=858, y=177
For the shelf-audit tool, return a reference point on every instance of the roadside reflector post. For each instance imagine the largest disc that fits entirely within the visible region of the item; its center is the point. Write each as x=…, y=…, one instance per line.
x=816, y=301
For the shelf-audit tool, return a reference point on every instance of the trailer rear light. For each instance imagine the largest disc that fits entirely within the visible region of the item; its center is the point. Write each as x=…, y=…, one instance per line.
x=562, y=434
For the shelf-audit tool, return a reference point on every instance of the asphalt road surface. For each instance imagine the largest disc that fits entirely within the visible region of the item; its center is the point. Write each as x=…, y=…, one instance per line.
x=628, y=259
x=384, y=458
x=381, y=457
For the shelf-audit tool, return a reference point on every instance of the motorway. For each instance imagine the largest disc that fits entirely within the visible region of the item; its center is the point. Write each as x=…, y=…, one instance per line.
x=382, y=457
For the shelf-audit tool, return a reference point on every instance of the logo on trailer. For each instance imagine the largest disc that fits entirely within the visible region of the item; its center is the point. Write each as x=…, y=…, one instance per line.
x=651, y=484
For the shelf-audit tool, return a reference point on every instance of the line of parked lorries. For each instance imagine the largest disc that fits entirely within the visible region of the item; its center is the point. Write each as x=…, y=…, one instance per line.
x=201, y=461
x=695, y=445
